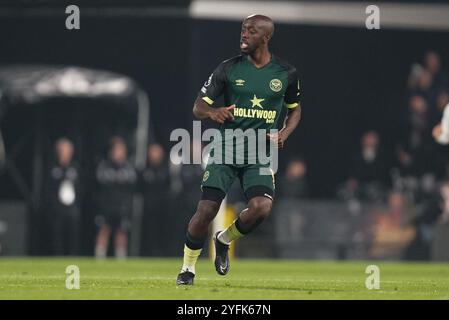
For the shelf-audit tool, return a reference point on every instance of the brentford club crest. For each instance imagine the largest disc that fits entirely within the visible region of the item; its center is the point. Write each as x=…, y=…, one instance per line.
x=276, y=85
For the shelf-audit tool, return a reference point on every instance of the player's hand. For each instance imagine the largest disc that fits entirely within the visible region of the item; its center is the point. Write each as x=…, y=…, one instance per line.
x=277, y=138
x=222, y=114
x=437, y=131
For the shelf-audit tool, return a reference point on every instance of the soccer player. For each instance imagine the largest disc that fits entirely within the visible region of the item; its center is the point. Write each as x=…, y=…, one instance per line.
x=256, y=86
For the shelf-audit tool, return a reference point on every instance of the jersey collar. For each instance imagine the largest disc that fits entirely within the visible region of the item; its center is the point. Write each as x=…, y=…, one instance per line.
x=263, y=67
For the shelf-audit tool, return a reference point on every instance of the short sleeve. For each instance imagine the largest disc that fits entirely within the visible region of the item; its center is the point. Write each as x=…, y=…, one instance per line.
x=213, y=87
x=292, y=94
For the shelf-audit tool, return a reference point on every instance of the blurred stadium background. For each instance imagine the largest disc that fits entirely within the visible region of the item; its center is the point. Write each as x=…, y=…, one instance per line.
x=361, y=178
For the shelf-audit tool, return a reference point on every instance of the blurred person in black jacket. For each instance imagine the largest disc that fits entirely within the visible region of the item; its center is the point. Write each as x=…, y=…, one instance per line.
x=416, y=154
x=432, y=63
x=434, y=210
x=429, y=81
x=156, y=186
x=369, y=170
x=63, y=200
x=117, y=180
x=417, y=131
x=425, y=88
x=293, y=184
x=186, y=191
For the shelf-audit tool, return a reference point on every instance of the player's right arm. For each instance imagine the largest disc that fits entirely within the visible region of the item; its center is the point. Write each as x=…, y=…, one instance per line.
x=211, y=90
x=202, y=110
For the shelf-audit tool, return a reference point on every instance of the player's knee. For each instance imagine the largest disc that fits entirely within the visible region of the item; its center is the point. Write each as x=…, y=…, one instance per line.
x=205, y=213
x=260, y=207
x=104, y=231
x=208, y=208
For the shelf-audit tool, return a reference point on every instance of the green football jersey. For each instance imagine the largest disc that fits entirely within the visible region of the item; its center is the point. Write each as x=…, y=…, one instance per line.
x=259, y=95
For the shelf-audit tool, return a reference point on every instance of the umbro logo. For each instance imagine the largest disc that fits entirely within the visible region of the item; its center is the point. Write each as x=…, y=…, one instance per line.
x=239, y=82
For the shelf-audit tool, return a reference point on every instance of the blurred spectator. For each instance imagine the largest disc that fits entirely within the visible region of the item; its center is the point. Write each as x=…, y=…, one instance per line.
x=441, y=237
x=404, y=161
x=186, y=184
x=418, y=122
x=425, y=85
x=416, y=146
x=63, y=200
x=191, y=176
x=432, y=209
x=156, y=186
x=413, y=78
x=391, y=229
x=432, y=63
x=117, y=180
x=293, y=184
x=444, y=192
x=442, y=102
x=369, y=171
x=430, y=82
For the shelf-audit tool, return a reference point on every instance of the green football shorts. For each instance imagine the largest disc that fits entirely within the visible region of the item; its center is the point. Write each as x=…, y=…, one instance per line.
x=222, y=176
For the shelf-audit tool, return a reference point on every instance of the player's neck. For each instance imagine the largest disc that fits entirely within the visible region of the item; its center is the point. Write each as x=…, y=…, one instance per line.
x=260, y=57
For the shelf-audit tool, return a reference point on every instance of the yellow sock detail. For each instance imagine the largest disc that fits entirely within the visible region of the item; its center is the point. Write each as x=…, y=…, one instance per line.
x=190, y=258
x=230, y=234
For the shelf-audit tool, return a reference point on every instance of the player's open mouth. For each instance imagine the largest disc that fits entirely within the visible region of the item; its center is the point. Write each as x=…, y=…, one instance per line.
x=243, y=45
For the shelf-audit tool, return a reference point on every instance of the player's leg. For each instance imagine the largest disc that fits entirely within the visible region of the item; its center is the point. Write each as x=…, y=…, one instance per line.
x=72, y=229
x=121, y=243
x=121, y=238
x=216, y=181
x=102, y=241
x=259, y=190
x=55, y=221
x=198, y=227
x=197, y=232
x=259, y=208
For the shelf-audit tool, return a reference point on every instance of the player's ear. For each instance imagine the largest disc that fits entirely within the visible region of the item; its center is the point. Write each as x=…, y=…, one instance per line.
x=268, y=37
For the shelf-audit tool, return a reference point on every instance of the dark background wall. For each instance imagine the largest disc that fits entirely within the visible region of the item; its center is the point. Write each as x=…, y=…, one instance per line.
x=352, y=79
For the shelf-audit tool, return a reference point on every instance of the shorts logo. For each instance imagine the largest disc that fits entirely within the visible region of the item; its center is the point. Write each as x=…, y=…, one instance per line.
x=276, y=85
x=205, y=176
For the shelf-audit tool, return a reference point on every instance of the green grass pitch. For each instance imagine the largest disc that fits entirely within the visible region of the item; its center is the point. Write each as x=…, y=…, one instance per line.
x=45, y=278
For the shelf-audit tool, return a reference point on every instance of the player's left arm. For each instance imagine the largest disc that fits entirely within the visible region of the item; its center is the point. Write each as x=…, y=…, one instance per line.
x=292, y=103
x=291, y=121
